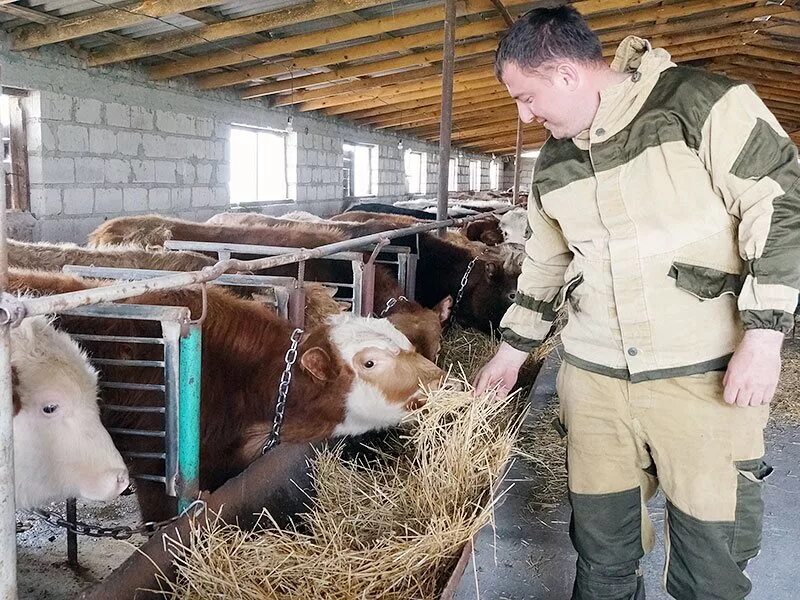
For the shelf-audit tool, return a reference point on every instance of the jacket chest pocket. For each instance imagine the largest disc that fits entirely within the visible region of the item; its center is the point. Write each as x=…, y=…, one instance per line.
x=705, y=283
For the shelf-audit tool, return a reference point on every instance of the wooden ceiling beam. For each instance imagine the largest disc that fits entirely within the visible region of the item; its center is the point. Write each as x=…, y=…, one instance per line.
x=344, y=33
x=469, y=121
x=415, y=60
x=351, y=53
x=758, y=51
x=426, y=77
x=459, y=101
x=431, y=87
x=228, y=29
x=464, y=90
x=426, y=125
x=406, y=119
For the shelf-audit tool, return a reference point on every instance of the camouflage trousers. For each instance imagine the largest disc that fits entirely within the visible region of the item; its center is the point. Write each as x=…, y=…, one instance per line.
x=624, y=440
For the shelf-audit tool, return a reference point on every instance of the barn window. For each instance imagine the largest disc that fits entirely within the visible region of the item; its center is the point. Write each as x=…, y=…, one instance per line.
x=416, y=163
x=494, y=174
x=15, y=148
x=452, y=175
x=259, y=165
x=475, y=175
x=360, y=170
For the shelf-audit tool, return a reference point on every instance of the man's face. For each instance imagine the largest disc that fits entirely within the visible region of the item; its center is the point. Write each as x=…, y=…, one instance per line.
x=548, y=97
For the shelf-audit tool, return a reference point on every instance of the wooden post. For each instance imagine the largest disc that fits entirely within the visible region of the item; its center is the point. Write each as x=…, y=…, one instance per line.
x=518, y=160
x=446, y=128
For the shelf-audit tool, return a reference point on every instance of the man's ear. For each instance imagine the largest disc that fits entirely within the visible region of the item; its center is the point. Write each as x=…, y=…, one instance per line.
x=565, y=75
x=317, y=362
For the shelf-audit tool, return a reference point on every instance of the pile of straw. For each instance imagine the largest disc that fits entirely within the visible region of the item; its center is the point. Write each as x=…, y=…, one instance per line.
x=392, y=528
x=786, y=403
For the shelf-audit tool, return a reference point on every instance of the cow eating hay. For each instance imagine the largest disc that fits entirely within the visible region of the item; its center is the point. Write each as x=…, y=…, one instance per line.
x=392, y=529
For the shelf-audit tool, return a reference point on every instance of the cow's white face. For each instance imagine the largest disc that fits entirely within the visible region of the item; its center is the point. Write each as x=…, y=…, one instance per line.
x=514, y=225
x=61, y=448
x=388, y=372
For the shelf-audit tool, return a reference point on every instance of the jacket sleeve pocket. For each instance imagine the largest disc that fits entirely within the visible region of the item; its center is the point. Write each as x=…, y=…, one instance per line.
x=705, y=283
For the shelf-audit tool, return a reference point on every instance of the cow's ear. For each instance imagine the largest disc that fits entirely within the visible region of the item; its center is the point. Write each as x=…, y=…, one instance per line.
x=444, y=308
x=15, y=391
x=317, y=362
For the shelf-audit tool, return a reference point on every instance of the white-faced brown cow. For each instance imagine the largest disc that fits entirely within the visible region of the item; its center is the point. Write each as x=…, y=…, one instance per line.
x=352, y=375
x=61, y=448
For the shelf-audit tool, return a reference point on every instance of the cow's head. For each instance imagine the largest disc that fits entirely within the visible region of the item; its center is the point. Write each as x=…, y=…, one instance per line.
x=422, y=326
x=386, y=372
x=488, y=294
x=61, y=448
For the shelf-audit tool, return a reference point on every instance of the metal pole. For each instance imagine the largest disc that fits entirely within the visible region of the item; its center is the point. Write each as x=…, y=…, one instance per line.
x=43, y=305
x=189, y=417
x=518, y=161
x=8, y=523
x=446, y=126
x=72, y=537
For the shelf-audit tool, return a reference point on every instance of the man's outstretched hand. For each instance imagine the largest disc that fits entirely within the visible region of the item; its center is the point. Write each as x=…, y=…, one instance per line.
x=501, y=371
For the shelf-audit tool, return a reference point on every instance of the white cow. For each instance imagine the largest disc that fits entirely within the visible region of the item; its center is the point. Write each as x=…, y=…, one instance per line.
x=61, y=448
x=514, y=225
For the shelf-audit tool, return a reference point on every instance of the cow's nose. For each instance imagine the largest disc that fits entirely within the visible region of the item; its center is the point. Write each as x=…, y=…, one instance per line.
x=123, y=480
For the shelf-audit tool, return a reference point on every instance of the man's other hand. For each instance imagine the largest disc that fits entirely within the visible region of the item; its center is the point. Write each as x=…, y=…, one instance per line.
x=755, y=367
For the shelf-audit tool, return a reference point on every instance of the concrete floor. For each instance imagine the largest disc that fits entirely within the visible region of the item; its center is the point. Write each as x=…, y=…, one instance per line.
x=528, y=556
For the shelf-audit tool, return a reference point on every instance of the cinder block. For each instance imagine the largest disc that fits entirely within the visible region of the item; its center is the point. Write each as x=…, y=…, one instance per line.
x=108, y=200
x=221, y=196
x=167, y=122
x=142, y=119
x=204, y=172
x=134, y=199
x=73, y=138
x=89, y=170
x=88, y=111
x=205, y=127
x=56, y=106
x=186, y=173
x=118, y=115
x=181, y=198
x=202, y=196
x=155, y=146
x=78, y=201
x=223, y=174
x=118, y=171
x=129, y=142
x=177, y=147
x=102, y=141
x=165, y=171
x=45, y=202
x=58, y=170
x=144, y=171
x=159, y=199
x=186, y=124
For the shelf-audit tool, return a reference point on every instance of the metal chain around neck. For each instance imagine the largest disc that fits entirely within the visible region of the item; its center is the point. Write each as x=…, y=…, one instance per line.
x=464, y=281
x=274, y=436
x=118, y=532
x=391, y=303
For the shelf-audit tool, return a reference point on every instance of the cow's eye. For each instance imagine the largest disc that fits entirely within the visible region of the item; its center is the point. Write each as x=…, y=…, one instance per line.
x=512, y=295
x=50, y=409
x=369, y=364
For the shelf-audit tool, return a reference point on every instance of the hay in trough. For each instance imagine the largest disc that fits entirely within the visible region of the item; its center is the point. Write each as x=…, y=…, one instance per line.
x=786, y=403
x=391, y=529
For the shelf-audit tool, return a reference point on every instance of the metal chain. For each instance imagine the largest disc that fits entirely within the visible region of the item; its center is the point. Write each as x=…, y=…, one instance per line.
x=390, y=304
x=118, y=532
x=464, y=281
x=274, y=437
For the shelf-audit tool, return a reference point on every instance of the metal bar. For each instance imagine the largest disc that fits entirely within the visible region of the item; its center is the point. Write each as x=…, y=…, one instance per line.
x=145, y=477
x=172, y=368
x=368, y=288
x=402, y=270
x=189, y=418
x=411, y=277
x=116, y=385
x=134, y=274
x=358, y=290
x=446, y=124
x=127, y=363
x=518, y=160
x=296, y=307
x=257, y=249
x=122, y=431
x=152, y=455
x=72, y=537
x=134, y=409
x=138, y=312
x=86, y=337
x=8, y=523
x=22, y=307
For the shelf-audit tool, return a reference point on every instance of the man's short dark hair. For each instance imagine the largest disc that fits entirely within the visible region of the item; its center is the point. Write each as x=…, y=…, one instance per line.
x=544, y=34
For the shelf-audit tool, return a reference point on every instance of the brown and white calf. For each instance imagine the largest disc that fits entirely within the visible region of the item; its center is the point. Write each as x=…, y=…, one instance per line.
x=353, y=374
x=61, y=448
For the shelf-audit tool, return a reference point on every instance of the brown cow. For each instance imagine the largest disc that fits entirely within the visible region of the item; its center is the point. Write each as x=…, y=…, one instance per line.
x=352, y=375
x=424, y=331
x=52, y=257
x=486, y=231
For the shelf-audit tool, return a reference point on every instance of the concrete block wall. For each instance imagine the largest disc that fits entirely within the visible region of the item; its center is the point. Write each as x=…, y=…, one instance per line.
x=108, y=141
x=507, y=176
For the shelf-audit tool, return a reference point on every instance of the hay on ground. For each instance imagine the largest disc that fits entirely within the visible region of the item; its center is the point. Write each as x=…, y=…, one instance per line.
x=389, y=529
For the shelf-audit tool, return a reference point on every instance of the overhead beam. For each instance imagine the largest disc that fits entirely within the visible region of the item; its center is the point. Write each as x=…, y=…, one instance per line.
x=463, y=100
x=34, y=36
x=228, y=29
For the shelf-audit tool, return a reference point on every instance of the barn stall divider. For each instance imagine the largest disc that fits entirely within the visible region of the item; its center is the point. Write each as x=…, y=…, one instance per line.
x=13, y=310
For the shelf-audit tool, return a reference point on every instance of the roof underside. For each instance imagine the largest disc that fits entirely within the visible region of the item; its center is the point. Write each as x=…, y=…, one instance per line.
x=378, y=62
